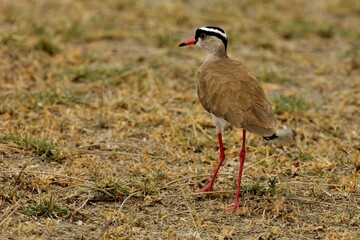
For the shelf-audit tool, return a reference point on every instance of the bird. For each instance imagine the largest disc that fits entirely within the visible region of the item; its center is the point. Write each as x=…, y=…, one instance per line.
x=231, y=93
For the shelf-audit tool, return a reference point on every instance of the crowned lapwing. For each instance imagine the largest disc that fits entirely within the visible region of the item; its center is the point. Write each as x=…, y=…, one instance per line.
x=230, y=92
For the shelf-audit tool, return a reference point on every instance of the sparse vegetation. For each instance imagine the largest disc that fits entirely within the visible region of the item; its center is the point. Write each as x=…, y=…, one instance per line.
x=51, y=96
x=289, y=104
x=272, y=185
x=47, y=208
x=102, y=135
x=256, y=189
x=46, y=45
x=45, y=149
x=270, y=76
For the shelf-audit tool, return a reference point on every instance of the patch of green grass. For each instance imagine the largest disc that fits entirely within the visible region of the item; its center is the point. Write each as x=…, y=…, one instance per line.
x=36, y=28
x=46, y=208
x=195, y=145
x=112, y=190
x=264, y=43
x=7, y=38
x=103, y=121
x=73, y=30
x=289, y=104
x=299, y=28
x=302, y=156
x=123, y=5
x=256, y=189
x=5, y=138
x=51, y=96
x=325, y=31
x=158, y=175
x=107, y=35
x=88, y=74
x=272, y=185
x=13, y=40
x=337, y=133
x=110, y=76
x=147, y=187
x=295, y=29
x=109, y=188
x=44, y=149
x=47, y=45
x=270, y=76
x=164, y=40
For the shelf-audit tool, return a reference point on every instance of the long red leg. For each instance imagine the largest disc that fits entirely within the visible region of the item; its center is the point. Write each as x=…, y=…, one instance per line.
x=242, y=160
x=209, y=186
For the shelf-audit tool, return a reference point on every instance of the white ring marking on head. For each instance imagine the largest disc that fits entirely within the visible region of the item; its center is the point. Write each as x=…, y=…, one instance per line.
x=214, y=30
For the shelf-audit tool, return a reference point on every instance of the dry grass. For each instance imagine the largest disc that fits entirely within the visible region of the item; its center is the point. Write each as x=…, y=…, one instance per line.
x=102, y=135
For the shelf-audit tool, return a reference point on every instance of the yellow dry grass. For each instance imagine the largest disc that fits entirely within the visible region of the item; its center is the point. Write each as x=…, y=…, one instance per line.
x=102, y=135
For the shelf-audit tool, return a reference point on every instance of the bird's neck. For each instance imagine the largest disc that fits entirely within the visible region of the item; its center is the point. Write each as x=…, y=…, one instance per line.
x=215, y=54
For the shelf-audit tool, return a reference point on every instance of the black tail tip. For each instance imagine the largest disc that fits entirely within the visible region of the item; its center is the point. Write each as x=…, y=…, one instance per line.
x=272, y=137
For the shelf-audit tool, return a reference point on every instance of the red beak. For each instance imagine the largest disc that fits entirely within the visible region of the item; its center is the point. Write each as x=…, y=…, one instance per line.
x=188, y=42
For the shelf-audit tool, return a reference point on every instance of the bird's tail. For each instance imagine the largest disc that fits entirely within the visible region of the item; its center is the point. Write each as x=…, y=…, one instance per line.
x=284, y=135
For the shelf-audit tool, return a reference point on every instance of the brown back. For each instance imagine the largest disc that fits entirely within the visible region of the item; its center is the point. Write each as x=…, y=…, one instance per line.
x=230, y=91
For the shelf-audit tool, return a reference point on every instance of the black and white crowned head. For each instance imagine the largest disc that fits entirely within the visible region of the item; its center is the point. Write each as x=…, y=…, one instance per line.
x=212, y=39
x=203, y=33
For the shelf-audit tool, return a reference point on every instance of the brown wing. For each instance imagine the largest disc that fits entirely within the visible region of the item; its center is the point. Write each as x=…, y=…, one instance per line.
x=230, y=91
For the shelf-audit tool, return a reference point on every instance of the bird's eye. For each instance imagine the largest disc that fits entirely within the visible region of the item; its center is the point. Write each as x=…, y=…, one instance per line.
x=203, y=36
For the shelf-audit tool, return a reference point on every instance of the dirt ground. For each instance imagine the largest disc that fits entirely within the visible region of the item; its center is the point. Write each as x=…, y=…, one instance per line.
x=102, y=135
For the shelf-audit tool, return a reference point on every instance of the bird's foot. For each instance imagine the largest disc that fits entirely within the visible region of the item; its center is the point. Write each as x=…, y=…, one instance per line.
x=233, y=208
x=207, y=188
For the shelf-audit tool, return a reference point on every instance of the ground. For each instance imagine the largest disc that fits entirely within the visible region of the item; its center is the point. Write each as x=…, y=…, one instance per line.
x=102, y=135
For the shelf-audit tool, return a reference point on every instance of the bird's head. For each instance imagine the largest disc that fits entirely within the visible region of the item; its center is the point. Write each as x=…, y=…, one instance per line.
x=211, y=39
